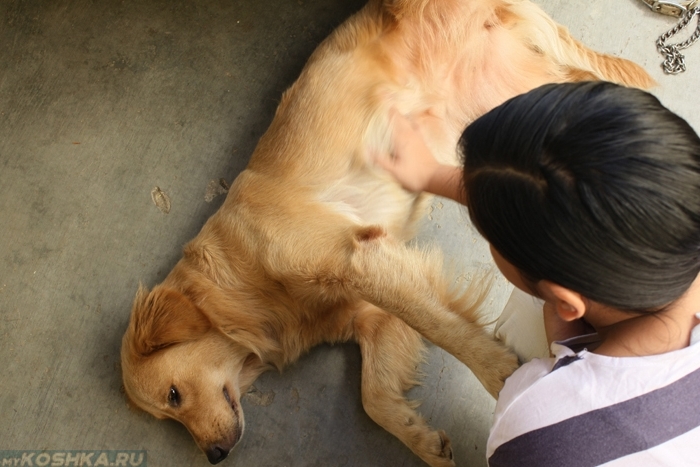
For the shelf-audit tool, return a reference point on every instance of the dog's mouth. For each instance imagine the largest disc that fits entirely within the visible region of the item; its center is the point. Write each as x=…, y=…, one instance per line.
x=227, y=395
x=220, y=451
x=236, y=410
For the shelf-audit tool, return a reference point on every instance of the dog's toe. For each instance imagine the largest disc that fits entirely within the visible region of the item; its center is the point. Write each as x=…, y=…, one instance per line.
x=441, y=450
x=445, y=445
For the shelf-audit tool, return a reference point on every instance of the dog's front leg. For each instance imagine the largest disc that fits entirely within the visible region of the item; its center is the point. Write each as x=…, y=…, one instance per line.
x=410, y=284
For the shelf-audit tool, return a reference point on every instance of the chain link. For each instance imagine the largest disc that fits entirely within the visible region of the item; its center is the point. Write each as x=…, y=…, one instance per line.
x=675, y=61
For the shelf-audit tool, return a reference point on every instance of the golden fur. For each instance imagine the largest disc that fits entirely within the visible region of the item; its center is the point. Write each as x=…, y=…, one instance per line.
x=309, y=246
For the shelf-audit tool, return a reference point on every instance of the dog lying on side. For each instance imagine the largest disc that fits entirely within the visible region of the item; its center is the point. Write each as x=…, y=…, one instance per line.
x=309, y=246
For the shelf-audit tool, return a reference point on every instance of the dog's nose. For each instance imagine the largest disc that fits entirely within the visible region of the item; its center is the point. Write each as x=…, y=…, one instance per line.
x=216, y=454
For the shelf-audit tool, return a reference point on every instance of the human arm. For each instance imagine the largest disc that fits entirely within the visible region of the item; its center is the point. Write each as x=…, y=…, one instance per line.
x=414, y=166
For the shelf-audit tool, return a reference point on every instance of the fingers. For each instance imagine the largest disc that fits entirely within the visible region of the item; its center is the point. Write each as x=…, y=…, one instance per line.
x=402, y=126
x=383, y=159
x=409, y=161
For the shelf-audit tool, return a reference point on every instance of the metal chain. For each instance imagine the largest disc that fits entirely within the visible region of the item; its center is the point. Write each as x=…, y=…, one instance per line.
x=675, y=61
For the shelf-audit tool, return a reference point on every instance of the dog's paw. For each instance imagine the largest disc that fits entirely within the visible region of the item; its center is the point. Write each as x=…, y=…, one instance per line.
x=502, y=366
x=445, y=447
x=439, y=451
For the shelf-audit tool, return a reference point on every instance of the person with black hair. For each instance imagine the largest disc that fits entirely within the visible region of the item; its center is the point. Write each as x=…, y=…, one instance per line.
x=589, y=196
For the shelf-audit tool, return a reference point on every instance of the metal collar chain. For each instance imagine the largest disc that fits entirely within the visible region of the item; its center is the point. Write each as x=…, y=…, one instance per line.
x=671, y=8
x=675, y=61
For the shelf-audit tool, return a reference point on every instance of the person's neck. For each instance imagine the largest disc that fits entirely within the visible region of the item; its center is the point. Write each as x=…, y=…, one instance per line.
x=632, y=335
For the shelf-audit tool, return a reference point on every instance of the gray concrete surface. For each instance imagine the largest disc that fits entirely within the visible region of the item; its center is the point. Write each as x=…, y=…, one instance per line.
x=102, y=100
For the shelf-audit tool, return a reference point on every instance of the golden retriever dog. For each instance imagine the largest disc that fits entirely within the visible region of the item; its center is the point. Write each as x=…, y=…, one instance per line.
x=310, y=244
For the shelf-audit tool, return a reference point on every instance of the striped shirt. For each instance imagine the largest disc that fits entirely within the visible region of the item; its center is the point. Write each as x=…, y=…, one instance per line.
x=582, y=409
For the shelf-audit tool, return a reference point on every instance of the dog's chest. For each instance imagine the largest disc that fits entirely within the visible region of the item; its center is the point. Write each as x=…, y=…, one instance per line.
x=368, y=198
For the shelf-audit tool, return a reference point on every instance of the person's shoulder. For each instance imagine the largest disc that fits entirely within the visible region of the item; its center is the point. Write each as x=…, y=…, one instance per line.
x=546, y=394
x=534, y=375
x=542, y=392
x=524, y=377
x=547, y=391
x=524, y=391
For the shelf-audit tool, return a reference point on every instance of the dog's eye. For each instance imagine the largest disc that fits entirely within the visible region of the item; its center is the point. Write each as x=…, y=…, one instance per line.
x=173, y=397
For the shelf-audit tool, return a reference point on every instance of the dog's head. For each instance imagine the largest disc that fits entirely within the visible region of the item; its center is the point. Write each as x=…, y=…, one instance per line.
x=177, y=364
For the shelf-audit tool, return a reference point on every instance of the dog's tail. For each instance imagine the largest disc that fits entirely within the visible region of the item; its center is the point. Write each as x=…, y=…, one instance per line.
x=589, y=65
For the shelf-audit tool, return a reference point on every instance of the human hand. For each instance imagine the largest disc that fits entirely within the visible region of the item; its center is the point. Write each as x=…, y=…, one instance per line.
x=411, y=162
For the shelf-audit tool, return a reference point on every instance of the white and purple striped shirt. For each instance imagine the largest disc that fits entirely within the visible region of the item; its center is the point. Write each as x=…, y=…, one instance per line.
x=581, y=409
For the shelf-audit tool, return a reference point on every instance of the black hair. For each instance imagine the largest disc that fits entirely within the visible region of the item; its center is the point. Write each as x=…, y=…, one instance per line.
x=593, y=186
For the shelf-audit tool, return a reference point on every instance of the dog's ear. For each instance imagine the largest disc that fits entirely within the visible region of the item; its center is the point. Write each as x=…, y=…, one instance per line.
x=164, y=317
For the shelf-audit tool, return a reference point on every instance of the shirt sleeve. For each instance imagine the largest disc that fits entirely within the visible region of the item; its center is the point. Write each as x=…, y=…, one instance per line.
x=518, y=403
x=507, y=413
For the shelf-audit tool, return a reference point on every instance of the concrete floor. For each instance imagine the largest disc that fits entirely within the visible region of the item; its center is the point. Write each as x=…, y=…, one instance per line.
x=101, y=101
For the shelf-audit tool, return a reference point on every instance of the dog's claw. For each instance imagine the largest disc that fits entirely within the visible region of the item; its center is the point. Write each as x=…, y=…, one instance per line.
x=445, y=445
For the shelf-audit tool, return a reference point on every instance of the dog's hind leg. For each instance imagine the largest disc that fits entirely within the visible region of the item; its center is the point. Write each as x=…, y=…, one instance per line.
x=410, y=284
x=391, y=353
